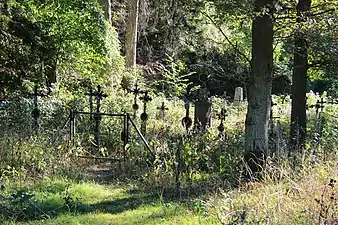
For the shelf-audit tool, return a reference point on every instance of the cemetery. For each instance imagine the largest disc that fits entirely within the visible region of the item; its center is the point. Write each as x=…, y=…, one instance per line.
x=168, y=112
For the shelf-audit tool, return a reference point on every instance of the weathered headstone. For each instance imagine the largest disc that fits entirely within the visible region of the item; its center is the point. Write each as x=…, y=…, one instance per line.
x=238, y=98
x=203, y=110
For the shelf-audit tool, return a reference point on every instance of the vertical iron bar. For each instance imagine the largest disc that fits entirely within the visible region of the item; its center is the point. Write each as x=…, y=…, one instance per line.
x=70, y=126
x=125, y=120
x=74, y=128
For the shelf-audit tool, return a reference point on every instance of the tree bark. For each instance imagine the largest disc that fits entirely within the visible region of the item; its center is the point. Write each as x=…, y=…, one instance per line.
x=259, y=90
x=131, y=33
x=299, y=81
x=106, y=7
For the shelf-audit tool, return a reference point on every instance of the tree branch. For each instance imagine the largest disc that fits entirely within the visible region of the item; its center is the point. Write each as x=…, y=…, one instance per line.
x=226, y=38
x=323, y=12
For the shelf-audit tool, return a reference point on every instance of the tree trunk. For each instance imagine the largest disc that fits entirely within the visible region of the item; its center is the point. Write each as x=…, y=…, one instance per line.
x=106, y=7
x=299, y=82
x=131, y=33
x=259, y=90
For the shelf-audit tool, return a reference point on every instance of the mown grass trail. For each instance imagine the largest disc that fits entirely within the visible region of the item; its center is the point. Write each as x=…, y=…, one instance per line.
x=64, y=201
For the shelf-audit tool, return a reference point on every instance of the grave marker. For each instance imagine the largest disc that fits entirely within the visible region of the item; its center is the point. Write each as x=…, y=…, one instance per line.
x=99, y=95
x=162, y=109
x=221, y=129
x=238, y=98
x=36, y=110
x=144, y=116
x=203, y=109
x=136, y=91
x=187, y=121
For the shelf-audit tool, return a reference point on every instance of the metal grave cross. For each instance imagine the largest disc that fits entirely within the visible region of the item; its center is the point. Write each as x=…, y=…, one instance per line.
x=221, y=128
x=144, y=116
x=99, y=95
x=136, y=91
x=36, y=110
x=318, y=105
x=187, y=121
x=162, y=108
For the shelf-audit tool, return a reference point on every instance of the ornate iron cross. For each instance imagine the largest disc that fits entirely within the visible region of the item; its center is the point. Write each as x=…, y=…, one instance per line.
x=144, y=116
x=99, y=95
x=136, y=91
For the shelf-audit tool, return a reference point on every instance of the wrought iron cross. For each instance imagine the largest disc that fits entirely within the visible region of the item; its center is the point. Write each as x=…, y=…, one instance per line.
x=162, y=108
x=221, y=127
x=144, y=116
x=99, y=95
x=36, y=111
x=136, y=91
x=187, y=121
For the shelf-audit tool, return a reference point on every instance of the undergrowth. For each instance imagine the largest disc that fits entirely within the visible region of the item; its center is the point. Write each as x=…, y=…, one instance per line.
x=189, y=169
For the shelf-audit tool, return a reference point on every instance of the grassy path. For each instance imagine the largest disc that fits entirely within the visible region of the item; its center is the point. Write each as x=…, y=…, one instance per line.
x=62, y=201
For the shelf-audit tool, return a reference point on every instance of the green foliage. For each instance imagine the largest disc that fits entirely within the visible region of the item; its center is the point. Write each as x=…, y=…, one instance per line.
x=67, y=39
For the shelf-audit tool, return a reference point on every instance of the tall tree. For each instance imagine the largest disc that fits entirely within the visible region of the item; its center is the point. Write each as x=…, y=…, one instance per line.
x=299, y=79
x=131, y=33
x=260, y=85
x=106, y=7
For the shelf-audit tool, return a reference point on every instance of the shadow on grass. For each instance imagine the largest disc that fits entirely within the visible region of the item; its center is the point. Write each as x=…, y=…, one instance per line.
x=135, y=198
x=118, y=205
x=52, y=208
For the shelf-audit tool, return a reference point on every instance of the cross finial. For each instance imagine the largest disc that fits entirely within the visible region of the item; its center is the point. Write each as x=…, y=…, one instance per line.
x=162, y=107
x=136, y=90
x=146, y=98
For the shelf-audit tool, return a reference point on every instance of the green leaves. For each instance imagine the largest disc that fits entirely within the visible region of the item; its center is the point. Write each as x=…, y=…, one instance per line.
x=40, y=38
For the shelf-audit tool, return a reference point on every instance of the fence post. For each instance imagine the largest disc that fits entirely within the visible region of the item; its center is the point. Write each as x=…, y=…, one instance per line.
x=126, y=133
x=70, y=126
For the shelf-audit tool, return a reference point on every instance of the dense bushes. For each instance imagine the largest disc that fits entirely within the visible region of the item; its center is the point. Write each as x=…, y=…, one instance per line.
x=42, y=41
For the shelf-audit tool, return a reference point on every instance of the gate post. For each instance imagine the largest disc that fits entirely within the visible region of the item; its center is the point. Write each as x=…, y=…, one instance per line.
x=125, y=132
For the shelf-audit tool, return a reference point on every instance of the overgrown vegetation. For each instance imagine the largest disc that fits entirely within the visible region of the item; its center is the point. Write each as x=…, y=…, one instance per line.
x=189, y=169
x=64, y=157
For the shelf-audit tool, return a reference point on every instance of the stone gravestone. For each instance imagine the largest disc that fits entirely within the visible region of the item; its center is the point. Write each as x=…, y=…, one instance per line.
x=203, y=110
x=238, y=96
